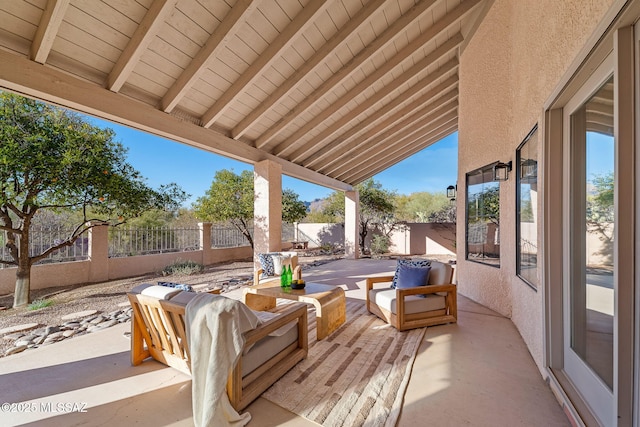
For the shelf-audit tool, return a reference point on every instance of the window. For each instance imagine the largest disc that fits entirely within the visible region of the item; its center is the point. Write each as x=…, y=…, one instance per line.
x=527, y=209
x=483, y=217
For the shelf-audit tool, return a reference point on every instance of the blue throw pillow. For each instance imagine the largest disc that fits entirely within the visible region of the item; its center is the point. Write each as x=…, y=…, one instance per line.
x=180, y=286
x=266, y=262
x=410, y=263
x=411, y=277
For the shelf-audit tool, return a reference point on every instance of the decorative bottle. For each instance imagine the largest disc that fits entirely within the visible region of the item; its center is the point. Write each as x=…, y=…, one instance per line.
x=289, y=275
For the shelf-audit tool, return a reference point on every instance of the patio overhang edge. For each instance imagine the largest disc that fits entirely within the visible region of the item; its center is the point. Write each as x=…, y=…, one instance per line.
x=34, y=80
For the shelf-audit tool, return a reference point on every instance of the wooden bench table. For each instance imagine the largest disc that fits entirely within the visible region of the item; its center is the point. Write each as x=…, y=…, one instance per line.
x=329, y=301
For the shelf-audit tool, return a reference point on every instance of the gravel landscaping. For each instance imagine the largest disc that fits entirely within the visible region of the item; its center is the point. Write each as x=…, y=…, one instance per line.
x=82, y=309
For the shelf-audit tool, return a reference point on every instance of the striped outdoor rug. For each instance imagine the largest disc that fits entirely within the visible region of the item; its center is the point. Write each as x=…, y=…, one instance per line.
x=355, y=377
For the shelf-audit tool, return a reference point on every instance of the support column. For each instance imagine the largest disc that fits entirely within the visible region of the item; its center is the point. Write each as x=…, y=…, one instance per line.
x=351, y=224
x=98, y=253
x=204, y=231
x=267, y=212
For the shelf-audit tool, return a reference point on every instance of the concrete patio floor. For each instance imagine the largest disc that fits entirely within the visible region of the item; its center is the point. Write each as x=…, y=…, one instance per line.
x=477, y=372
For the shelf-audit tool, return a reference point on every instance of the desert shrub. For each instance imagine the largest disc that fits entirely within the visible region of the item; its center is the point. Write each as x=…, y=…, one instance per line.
x=380, y=245
x=40, y=303
x=182, y=267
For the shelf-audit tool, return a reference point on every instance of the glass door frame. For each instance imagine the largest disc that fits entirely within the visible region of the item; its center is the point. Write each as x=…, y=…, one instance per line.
x=593, y=389
x=616, y=34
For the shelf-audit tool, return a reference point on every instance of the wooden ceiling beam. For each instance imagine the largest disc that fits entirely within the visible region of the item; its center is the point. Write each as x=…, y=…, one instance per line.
x=352, y=66
x=19, y=74
x=345, y=143
x=352, y=25
x=442, y=112
x=418, y=119
x=265, y=59
x=419, y=145
x=148, y=28
x=311, y=148
x=443, y=50
x=228, y=26
x=48, y=27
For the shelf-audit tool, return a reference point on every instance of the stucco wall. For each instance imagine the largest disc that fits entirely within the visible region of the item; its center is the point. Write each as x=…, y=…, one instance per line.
x=511, y=66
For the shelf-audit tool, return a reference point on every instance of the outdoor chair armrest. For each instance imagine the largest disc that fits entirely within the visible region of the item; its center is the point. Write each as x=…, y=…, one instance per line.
x=425, y=290
x=377, y=279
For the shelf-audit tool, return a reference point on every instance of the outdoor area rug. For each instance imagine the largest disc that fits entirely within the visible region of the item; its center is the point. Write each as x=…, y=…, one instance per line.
x=357, y=376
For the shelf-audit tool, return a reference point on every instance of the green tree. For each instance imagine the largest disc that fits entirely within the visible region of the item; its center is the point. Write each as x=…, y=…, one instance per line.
x=230, y=199
x=293, y=210
x=601, y=212
x=376, y=209
x=420, y=206
x=53, y=159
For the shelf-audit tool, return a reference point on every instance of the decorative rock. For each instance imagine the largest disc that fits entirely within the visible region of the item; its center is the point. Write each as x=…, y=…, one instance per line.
x=97, y=320
x=108, y=323
x=13, y=337
x=79, y=314
x=21, y=342
x=55, y=335
x=18, y=328
x=51, y=329
x=124, y=304
x=75, y=324
x=71, y=325
x=15, y=350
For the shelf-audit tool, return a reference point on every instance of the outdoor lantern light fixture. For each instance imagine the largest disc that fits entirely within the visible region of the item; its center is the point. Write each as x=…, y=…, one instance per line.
x=528, y=169
x=501, y=171
x=451, y=192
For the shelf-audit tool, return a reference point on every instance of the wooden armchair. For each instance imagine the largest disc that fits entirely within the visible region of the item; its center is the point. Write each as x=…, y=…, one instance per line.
x=416, y=307
x=158, y=331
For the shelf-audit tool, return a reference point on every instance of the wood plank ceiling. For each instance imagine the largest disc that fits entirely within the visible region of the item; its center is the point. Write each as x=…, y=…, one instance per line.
x=345, y=88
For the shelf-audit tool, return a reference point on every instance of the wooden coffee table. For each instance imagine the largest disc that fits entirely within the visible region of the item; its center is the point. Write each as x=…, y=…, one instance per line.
x=329, y=301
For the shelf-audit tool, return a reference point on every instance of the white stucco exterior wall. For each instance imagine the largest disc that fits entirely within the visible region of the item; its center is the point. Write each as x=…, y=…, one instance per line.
x=509, y=69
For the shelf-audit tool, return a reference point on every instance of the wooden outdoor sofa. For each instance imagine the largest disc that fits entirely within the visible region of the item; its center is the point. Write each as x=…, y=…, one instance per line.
x=158, y=331
x=415, y=307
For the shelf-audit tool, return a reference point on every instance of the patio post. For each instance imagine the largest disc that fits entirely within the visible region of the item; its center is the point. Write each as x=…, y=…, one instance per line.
x=267, y=212
x=351, y=214
x=98, y=253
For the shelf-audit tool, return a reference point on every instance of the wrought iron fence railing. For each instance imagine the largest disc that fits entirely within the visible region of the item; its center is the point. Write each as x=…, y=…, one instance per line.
x=132, y=241
x=41, y=239
x=227, y=236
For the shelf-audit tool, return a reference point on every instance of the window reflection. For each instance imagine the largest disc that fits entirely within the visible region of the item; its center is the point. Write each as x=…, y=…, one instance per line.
x=592, y=281
x=483, y=217
x=527, y=209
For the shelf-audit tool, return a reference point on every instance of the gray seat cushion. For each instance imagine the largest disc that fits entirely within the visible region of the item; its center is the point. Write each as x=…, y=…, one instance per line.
x=386, y=298
x=266, y=348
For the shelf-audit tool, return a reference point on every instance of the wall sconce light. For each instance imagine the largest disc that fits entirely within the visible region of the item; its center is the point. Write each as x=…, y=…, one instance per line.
x=528, y=169
x=451, y=192
x=501, y=171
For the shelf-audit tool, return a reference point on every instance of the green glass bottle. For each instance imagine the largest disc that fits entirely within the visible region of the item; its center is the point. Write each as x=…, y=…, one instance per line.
x=283, y=278
x=289, y=275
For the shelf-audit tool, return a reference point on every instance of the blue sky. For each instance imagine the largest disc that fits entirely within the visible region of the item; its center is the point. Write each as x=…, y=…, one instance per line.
x=162, y=161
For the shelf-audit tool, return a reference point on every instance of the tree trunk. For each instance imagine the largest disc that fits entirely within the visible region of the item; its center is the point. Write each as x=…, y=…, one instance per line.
x=21, y=296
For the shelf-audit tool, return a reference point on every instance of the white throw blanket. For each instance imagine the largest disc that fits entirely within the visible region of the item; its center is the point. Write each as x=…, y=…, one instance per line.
x=215, y=325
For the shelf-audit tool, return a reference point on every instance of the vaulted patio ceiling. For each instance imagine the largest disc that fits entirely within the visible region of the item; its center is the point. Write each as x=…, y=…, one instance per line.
x=335, y=91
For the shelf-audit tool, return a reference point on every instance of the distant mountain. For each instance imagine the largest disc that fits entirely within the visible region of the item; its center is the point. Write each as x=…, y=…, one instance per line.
x=315, y=205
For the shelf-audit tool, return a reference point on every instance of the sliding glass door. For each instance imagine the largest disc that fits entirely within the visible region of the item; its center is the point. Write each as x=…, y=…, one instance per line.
x=590, y=222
